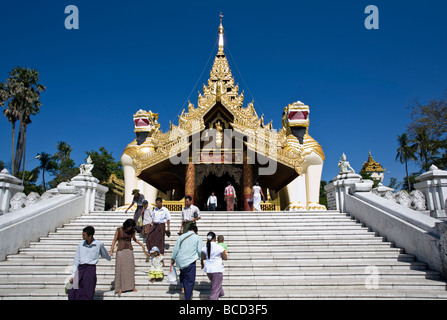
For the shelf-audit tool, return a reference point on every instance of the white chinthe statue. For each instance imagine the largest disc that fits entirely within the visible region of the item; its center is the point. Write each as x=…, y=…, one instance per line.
x=86, y=169
x=304, y=192
x=344, y=165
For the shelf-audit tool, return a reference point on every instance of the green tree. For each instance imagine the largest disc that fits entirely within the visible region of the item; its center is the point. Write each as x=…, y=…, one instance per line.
x=431, y=117
x=2, y=165
x=394, y=184
x=323, y=195
x=48, y=164
x=11, y=112
x=30, y=180
x=367, y=176
x=104, y=166
x=22, y=93
x=63, y=151
x=426, y=147
x=428, y=129
x=405, y=152
x=66, y=169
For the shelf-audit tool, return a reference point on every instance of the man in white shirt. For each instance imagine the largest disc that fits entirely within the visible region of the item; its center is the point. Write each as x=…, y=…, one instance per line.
x=212, y=202
x=160, y=217
x=84, y=266
x=190, y=214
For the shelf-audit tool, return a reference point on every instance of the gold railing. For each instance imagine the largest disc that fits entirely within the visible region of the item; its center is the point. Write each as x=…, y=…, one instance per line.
x=271, y=205
x=173, y=205
x=177, y=205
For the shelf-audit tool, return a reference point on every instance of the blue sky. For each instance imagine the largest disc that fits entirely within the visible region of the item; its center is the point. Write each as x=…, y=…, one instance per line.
x=129, y=55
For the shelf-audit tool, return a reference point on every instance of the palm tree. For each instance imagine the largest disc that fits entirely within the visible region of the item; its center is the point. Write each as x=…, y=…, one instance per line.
x=405, y=152
x=426, y=147
x=12, y=114
x=22, y=90
x=63, y=151
x=48, y=164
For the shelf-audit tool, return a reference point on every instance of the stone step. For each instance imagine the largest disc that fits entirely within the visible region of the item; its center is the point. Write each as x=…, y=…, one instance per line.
x=223, y=229
x=235, y=272
x=304, y=266
x=50, y=294
x=236, y=255
x=241, y=236
x=238, y=250
x=377, y=241
x=308, y=255
x=202, y=282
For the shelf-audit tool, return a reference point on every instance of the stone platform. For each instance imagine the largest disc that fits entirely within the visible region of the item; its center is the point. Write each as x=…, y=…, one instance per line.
x=272, y=255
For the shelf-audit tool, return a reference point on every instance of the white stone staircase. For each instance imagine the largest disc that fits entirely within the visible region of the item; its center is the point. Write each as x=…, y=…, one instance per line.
x=272, y=255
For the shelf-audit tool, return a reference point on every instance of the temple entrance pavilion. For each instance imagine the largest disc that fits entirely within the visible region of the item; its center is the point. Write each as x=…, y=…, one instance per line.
x=209, y=169
x=220, y=140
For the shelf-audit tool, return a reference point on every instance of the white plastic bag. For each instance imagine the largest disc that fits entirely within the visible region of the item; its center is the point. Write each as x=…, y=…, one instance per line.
x=172, y=276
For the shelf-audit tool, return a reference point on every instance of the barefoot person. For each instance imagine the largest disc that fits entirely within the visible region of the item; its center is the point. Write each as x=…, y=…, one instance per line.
x=213, y=254
x=138, y=198
x=84, y=266
x=229, y=196
x=125, y=260
x=190, y=214
x=257, y=196
x=187, y=250
x=156, y=234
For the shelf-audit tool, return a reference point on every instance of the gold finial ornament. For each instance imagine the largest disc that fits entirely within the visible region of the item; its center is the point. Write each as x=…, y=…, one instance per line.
x=221, y=33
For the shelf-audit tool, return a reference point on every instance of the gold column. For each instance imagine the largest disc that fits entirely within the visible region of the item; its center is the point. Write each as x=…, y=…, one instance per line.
x=190, y=180
x=248, y=184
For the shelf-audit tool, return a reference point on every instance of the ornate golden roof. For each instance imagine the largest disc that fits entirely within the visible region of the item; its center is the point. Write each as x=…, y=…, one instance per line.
x=371, y=165
x=117, y=184
x=219, y=96
x=220, y=88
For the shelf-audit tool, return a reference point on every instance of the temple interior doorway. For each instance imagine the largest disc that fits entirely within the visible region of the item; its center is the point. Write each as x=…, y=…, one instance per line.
x=217, y=184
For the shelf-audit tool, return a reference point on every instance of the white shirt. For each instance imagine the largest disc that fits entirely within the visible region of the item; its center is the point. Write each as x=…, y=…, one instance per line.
x=188, y=212
x=213, y=263
x=161, y=215
x=89, y=254
x=212, y=199
x=147, y=219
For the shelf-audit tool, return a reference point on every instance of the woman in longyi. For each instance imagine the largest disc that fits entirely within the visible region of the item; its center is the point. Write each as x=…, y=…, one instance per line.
x=125, y=260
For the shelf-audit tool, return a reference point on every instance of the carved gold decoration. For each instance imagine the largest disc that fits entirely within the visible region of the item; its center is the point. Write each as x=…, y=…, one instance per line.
x=282, y=146
x=271, y=205
x=371, y=165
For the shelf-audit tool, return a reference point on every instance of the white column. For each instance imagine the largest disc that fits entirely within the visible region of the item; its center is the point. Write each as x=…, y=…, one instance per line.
x=88, y=185
x=338, y=188
x=433, y=184
x=9, y=186
x=296, y=194
x=150, y=193
x=130, y=180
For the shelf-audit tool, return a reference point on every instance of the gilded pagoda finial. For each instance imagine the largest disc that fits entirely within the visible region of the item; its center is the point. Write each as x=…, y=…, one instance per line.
x=221, y=33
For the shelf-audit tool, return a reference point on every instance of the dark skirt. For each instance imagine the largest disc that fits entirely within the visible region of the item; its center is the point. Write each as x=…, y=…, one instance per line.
x=186, y=225
x=87, y=283
x=136, y=216
x=156, y=237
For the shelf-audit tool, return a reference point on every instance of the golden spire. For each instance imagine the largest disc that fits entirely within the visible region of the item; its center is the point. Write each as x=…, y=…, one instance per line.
x=371, y=165
x=221, y=33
